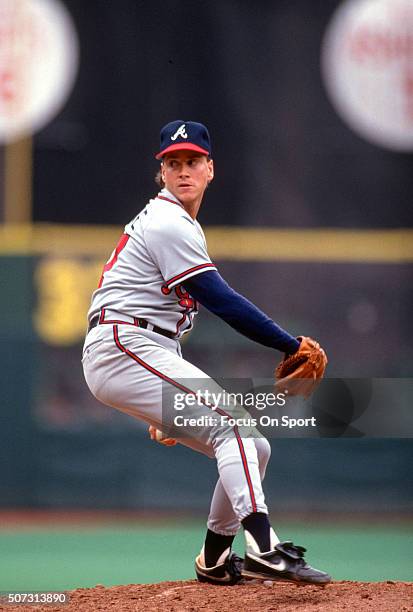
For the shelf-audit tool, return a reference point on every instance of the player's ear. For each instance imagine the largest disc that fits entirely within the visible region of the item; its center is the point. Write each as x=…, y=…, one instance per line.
x=162, y=169
x=210, y=170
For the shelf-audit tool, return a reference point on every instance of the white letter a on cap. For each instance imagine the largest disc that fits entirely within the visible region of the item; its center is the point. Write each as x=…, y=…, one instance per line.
x=180, y=132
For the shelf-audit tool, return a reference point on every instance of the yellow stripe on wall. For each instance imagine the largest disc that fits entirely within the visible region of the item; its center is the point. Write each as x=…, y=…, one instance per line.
x=338, y=245
x=224, y=243
x=44, y=238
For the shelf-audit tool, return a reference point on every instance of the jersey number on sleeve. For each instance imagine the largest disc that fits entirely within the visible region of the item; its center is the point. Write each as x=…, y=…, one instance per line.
x=114, y=257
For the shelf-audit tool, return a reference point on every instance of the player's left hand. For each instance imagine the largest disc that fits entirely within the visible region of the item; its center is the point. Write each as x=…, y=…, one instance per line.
x=301, y=372
x=158, y=436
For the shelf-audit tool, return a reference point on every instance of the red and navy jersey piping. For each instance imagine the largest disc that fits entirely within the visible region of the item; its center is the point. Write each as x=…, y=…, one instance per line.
x=166, y=287
x=161, y=197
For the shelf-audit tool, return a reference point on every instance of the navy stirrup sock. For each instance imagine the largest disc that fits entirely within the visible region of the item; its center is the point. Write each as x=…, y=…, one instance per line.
x=259, y=527
x=215, y=544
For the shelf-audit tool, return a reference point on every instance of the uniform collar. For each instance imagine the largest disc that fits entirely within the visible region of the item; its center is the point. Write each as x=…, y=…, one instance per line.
x=164, y=194
x=167, y=196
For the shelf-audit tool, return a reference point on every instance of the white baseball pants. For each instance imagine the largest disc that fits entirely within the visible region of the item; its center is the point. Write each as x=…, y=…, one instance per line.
x=129, y=368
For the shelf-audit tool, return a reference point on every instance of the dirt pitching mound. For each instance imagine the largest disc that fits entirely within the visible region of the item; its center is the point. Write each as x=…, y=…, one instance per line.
x=252, y=597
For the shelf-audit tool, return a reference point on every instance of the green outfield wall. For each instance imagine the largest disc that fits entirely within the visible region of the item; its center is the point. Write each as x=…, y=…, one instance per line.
x=60, y=448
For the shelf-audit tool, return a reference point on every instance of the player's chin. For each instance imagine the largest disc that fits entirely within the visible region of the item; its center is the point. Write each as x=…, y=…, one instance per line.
x=184, y=189
x=190, y=192
x=187, y=195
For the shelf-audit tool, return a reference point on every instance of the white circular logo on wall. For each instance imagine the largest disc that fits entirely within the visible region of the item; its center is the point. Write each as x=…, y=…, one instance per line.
x=38, y=64
x=367, y=66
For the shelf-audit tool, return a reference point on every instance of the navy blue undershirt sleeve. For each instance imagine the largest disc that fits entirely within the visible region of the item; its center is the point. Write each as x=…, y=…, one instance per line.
x=211, y=290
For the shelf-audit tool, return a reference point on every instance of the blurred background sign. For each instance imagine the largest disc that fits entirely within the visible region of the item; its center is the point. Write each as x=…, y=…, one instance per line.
x=38, y=64
x=367, y=62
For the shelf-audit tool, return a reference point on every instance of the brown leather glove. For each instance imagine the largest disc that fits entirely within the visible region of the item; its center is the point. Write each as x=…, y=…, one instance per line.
x=300, y=373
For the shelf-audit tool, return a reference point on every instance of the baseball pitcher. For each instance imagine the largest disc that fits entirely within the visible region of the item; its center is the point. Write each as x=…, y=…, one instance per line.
x=146, y=300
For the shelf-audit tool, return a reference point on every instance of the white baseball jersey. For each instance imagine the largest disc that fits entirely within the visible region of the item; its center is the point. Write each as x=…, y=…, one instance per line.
x=130, y=367
x=160, y=249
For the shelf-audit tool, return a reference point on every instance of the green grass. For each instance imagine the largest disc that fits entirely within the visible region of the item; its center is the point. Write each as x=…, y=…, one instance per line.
x=71, y=557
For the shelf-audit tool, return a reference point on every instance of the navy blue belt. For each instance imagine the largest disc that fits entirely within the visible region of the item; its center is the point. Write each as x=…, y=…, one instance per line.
x=143, y=323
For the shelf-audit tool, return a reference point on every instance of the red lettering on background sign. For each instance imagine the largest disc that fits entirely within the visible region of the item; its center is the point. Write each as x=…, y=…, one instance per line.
x=384, y=46
x=380, y=46
x=7, y=88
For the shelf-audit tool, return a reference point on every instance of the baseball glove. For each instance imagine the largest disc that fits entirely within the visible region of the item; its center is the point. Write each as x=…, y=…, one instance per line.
x=300, y=373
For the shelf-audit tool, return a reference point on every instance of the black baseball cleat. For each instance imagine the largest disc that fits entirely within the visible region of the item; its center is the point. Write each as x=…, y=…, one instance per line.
x=284, y=563
x=227, y=571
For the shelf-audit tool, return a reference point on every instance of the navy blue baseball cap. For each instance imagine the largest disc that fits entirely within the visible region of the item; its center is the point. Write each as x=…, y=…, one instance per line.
x=184, y=135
